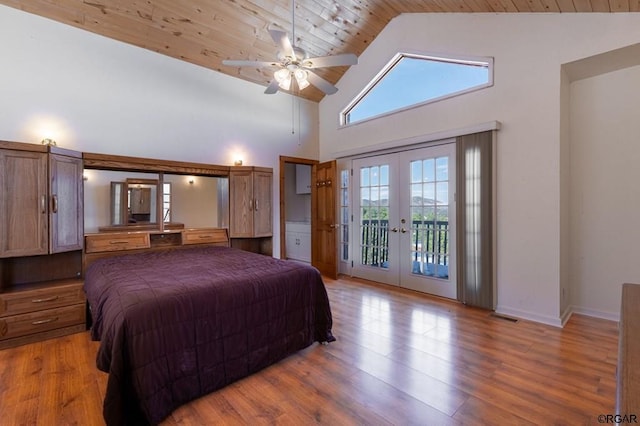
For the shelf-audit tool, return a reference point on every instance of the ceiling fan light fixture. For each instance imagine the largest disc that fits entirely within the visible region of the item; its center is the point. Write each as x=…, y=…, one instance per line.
x=301, y=78
x=302, y=84
x=283, y=77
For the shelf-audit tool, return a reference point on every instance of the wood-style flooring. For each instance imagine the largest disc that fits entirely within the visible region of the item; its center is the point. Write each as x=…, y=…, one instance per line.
x=401, y=358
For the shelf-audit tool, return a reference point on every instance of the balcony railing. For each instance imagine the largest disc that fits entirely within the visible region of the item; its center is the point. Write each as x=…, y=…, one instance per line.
x=429, y=245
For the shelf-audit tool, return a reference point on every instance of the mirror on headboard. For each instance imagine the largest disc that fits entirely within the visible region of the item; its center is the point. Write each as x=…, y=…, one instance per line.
x=117, y=199
x=196, y=201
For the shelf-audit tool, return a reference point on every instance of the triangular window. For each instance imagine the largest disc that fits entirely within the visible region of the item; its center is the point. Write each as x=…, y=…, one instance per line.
x=410, y=80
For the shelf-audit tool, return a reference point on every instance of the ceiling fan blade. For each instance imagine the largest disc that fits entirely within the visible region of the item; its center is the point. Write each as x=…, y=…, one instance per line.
x=258, y=64
x=343, y=59
x=272, y=88
x=282, y=40
x=321, y=83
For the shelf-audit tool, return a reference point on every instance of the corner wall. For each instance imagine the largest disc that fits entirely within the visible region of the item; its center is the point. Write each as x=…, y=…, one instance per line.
x=604, y=190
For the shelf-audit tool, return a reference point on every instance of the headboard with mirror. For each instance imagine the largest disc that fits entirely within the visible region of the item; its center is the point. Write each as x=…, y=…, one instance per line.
x=119, y=196
x=192, y=203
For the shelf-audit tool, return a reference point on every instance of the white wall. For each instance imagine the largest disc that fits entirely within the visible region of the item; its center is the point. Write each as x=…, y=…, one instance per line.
x=605, y=190
x=94, y=94
x=528, y=50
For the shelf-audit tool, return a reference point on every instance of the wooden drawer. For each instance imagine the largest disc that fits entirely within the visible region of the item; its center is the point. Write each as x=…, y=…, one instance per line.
x=20, y=302
x=204, y=236
x=37, y=322
x=116, y=241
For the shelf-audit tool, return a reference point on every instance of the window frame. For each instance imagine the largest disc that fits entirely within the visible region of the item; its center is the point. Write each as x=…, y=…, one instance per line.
x=456, y=59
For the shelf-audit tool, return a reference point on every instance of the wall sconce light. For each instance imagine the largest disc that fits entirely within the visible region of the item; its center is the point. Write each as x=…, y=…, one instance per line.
x=237, y=163
x=49, y=141
x=191, y=180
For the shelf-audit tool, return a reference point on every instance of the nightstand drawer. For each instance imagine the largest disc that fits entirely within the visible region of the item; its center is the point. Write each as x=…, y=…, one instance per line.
x=37, y=322
x=114, y=241
x=21, y=302
x=204, y=236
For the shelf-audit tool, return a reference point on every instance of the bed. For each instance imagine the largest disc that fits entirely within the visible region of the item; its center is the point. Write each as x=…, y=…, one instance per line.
x=177, y=324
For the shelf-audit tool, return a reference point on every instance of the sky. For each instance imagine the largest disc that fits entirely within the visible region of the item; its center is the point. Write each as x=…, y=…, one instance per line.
x=416, y=80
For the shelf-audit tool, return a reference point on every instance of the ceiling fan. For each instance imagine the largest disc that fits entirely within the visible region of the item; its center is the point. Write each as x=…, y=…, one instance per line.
x=294, y=65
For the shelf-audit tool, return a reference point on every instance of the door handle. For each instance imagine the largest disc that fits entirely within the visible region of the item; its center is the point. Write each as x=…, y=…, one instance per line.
x=403, y=230
x=394, y=229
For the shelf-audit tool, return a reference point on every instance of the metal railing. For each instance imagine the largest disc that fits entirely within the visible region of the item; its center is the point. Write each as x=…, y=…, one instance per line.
x=428, y=239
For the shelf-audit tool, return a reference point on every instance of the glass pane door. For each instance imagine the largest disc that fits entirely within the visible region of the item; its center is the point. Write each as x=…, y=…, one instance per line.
x=429, y=219
x=404, y=219
x=375, y=208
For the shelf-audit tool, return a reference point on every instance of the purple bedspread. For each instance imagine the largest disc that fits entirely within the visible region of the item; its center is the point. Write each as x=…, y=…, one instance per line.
x=178, y=324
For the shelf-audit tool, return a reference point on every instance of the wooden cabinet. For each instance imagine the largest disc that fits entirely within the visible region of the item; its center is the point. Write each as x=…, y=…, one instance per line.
x=41, y=240
x=628, y=371
x=41, y=311
x=250, y=195
x=40, y=201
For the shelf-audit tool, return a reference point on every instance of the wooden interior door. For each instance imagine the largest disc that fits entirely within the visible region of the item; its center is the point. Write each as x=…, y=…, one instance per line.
x=324, y=225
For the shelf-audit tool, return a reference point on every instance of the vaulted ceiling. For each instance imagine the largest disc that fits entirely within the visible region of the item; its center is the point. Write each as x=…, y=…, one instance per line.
x=205, y=32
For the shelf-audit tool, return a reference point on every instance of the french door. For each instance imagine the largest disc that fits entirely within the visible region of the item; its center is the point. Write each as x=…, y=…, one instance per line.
x=404, y=218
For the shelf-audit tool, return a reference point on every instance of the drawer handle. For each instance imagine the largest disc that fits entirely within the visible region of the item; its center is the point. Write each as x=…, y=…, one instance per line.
x=48, y=299
x=204, y=236
x=118, y=242
x=44, y=321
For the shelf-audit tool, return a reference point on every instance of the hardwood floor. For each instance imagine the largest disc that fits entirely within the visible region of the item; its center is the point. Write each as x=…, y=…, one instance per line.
x=401, y=358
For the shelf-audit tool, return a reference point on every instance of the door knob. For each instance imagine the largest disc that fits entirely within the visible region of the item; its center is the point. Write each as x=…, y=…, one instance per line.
x=403, y=230
x=394, y=229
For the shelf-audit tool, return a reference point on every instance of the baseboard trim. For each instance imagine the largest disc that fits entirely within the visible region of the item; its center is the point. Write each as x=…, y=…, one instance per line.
x=556, y=322
x=611, y=316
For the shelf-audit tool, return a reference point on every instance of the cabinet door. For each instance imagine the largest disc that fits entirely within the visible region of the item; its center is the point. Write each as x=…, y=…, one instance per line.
x=23, y=203
x=304, y=246
x=303, y=179
x=263, y=214
x=291, y=239
x=140, y=200
x=241, y=204
x=66, y=214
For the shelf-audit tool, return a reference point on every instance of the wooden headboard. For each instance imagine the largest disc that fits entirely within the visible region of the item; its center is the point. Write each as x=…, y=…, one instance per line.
x=107, y=244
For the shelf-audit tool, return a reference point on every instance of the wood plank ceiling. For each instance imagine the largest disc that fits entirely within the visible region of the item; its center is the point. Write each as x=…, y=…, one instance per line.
x=205, y=32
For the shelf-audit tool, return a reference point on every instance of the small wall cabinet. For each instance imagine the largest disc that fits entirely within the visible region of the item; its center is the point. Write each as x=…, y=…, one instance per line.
x=40, y=200
x=251, y=217
x=303, y=179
